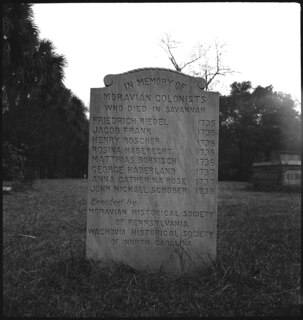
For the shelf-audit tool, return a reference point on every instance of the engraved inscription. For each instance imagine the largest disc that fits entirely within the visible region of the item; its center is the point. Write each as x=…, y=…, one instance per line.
x=152, y=170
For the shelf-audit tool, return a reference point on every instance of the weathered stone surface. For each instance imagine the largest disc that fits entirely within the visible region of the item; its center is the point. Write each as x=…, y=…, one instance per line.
x=152, y=182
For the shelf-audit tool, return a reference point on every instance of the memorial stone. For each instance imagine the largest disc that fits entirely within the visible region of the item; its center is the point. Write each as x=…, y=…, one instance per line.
x=152, y=178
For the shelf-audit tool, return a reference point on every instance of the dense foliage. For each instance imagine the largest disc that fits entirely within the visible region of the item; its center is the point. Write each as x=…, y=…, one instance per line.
x=253, y=123
x=44, y=124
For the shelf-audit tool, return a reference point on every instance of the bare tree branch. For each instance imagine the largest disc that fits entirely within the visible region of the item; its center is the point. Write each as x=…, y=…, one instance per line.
x=168, y=44
x=189, y=62
x=210, y=69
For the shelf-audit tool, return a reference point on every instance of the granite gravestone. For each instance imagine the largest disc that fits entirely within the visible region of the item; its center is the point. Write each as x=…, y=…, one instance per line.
x=152, y=181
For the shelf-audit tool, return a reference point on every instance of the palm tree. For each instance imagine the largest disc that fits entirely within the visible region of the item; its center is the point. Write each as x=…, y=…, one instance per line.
x=19, y=42
x=47, y=72
x=38, y=111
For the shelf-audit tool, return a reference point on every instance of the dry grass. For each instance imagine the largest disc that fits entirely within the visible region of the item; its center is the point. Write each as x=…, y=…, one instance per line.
x=257, y=271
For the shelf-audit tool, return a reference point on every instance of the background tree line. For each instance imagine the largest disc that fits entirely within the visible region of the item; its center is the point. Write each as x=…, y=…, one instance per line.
x=253, y=123
x=44, y=126
x=45, y=129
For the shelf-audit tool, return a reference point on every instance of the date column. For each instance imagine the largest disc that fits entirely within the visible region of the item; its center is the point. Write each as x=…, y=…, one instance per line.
x=205, y=157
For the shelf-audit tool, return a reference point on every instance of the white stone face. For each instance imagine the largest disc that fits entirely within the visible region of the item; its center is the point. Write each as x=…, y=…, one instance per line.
x=152, y=182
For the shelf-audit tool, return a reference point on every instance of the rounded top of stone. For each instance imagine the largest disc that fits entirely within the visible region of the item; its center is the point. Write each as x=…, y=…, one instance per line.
x=108, y=79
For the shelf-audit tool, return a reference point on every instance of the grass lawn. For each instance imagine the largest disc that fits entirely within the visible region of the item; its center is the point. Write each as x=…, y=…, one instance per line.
x=257, y=271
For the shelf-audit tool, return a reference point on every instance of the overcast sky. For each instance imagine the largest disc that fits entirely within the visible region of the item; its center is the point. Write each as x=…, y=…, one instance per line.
x=262, y=39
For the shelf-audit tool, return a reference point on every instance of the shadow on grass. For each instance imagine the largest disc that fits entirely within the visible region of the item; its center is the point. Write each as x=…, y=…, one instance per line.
x=74, y=286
